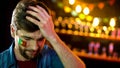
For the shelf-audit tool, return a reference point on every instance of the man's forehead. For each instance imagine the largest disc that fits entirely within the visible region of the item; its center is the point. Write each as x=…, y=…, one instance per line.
x=35, y=34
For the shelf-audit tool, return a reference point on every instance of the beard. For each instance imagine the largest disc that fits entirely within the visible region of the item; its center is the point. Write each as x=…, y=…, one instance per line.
x=29, y=54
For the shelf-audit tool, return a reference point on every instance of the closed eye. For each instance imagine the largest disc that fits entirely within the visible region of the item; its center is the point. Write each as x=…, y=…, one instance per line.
x=29, y=38
x=26, y=38
x=40, y=39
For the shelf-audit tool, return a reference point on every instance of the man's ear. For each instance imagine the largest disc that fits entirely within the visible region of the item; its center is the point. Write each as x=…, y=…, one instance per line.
x=12, y=31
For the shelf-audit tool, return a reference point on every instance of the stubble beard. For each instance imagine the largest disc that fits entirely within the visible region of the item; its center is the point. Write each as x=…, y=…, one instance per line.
x=29, y=57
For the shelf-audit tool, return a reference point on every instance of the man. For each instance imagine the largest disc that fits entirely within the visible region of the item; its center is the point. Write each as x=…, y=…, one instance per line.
x=31, y=26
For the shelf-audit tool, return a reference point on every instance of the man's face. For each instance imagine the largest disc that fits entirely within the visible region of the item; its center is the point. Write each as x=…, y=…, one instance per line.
x=29, y=45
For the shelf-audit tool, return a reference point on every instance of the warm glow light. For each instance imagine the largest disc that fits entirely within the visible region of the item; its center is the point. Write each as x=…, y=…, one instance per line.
x=86, y=11
x=69, y=26
x=89, y=18
x=74, y=13
x=91, y=29
x=67, y=9
x=104, y=28
x=111, y=28
x=112, y=22
x=60, y=4
x=71, y=2
x=106, y=20
x=88, y=24
x=78, y=20
x=99, y=31
x=60, y=19
x=78, y=9
x=82, y=16
x=96, y=22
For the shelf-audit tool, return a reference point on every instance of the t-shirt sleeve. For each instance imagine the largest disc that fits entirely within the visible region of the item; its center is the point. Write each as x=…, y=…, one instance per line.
x=55, y=61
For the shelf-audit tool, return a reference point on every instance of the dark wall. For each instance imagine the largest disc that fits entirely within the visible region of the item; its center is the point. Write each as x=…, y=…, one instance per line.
x=5, y=18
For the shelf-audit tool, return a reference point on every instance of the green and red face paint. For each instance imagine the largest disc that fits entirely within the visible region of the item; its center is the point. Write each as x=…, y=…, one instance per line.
x=21, y=42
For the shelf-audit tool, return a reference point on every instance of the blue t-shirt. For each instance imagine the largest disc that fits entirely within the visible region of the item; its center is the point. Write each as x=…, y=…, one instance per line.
x=47, y=59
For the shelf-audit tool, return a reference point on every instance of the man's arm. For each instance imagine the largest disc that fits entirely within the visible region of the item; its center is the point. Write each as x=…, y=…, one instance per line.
x=68, y=58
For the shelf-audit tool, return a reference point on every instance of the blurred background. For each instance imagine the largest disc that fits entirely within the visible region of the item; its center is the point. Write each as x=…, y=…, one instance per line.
x=90, y=28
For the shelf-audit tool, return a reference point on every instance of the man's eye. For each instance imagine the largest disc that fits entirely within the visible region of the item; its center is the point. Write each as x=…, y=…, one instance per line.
x=40, y=39
x=27, y=38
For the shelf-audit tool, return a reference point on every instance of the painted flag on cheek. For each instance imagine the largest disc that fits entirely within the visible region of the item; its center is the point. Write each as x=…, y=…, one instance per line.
x=21, y=42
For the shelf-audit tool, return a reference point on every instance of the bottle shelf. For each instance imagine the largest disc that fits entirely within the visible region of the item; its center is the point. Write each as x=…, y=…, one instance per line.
x=89, y=35
x=97, y=57
x=85, y=34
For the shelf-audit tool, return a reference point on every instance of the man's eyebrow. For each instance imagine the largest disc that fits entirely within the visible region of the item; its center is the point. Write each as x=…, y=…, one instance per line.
x=41, y=38
x=26, y=37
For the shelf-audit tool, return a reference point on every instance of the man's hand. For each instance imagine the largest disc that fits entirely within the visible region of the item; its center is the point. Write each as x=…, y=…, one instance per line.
x=45, y=22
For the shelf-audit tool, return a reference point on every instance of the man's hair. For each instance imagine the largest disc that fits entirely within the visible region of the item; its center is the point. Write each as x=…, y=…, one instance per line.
x=18, y=18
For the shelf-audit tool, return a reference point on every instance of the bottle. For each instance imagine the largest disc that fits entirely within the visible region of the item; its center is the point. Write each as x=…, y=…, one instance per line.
x=104, y=52
x=90, y=47
x=96, y=48
x=110, y=49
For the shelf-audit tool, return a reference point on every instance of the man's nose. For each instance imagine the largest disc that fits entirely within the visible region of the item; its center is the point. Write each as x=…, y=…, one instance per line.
x=34, y=45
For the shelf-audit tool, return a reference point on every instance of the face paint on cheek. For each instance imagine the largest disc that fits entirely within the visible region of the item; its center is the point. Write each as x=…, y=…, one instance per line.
x=21, y=42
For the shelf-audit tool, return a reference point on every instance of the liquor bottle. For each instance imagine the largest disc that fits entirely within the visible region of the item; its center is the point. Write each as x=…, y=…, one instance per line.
x=110, y=49
x=96, y=48
x=90, y=47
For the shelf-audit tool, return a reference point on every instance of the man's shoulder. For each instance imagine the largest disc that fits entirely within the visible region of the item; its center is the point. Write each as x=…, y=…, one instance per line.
x=49, y=50
x=4, y=53
x=54, y=58
x=50, y=58
x=4, y=57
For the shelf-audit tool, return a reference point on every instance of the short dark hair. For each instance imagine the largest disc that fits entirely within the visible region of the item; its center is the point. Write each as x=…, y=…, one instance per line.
x=19, y=14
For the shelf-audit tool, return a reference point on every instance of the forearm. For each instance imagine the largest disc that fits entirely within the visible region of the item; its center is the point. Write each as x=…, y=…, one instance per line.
x=68, y=58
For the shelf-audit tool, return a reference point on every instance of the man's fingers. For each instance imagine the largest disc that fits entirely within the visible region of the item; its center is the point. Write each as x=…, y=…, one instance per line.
x=32, y=20
x=34, y=8
x=43, y=10
x=34, y=14
x=40, y=11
